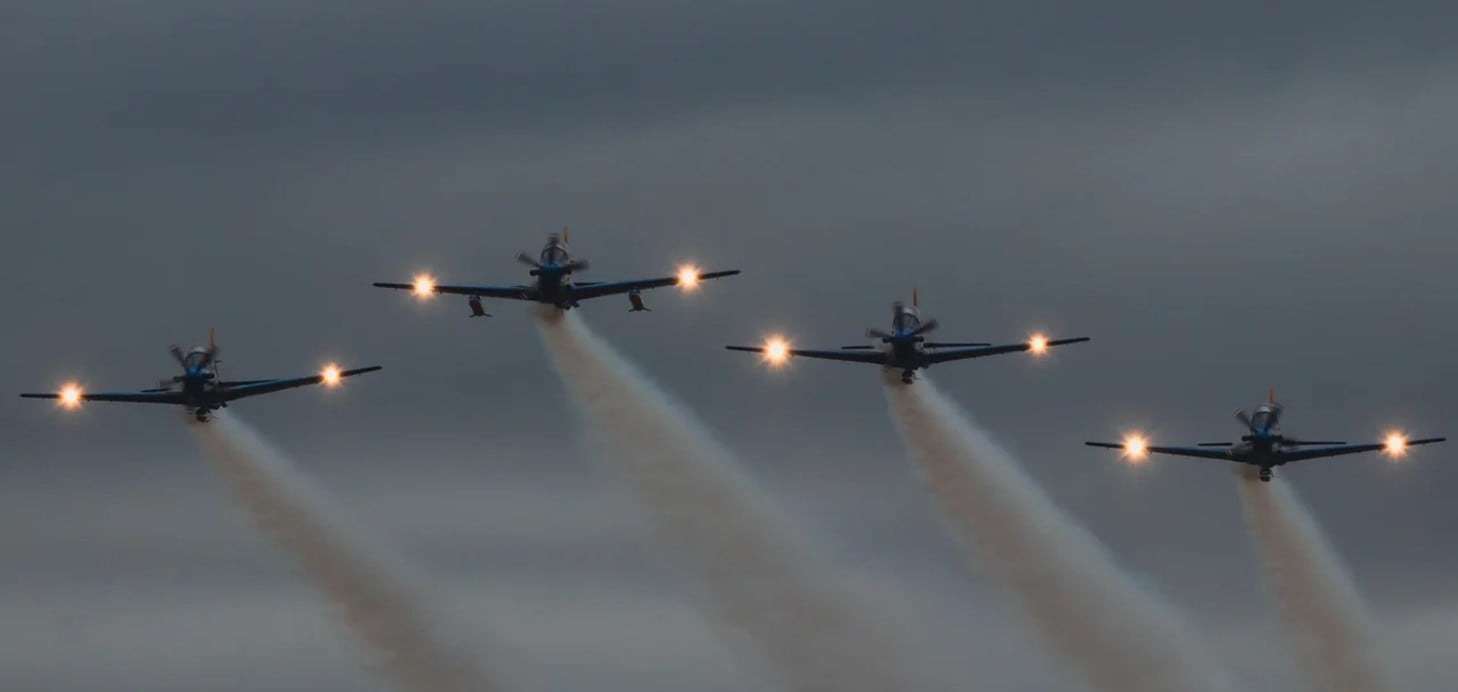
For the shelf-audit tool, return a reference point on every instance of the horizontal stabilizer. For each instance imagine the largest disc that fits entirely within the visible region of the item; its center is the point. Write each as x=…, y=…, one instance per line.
x=955, y=344
x=857, y=348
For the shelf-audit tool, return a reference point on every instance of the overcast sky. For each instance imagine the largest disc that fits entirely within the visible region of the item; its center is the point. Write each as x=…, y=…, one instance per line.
x=1225, y=196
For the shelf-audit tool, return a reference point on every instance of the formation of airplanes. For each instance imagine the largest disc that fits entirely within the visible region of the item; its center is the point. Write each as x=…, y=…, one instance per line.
x=903, y=349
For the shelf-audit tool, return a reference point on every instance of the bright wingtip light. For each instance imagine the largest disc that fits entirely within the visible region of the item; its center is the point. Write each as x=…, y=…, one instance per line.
x=1396, y=444
x=688, y=277
x=1038, y=344
x=330, y=376
x=776, y=351
x=424, y=286
x=70, y=396
x=1136, y=448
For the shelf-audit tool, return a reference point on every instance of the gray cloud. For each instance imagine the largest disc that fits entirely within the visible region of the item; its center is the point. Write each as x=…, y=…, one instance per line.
x=1224, y=197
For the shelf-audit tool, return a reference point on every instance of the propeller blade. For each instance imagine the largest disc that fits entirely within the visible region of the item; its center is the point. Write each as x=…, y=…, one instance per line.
x=210, y=356
x=176, y=352
x=577, y=266
x=1244, y=418
x=874, y=333
x=526, y=259
x=926, y=327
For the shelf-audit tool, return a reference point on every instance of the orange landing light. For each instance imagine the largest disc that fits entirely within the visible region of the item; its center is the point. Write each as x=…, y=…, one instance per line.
x=70, y=396
x=776, y=351
x=688, y=277
x=424, y=286
x=330, y=375
x=1136, y=448
x=1396, y=444
x=1038, y=344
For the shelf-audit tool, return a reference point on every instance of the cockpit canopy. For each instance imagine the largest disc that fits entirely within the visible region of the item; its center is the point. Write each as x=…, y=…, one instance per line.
x=195, y=359
x=906, y=319
x=1263, y=419
x=555, y=252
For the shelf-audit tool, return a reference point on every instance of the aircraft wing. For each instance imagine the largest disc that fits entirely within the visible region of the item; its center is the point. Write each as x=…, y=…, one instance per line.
x=122, y=397
x=512, y=292
x=1323, y=452
x=875, y=357
x=1203, y=453
x=965, y=353
x=256, y=387
x=597, y=290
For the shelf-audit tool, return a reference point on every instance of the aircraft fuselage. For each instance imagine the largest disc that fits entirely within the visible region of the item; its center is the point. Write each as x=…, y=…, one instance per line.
x=903, y=346
x=553, y=274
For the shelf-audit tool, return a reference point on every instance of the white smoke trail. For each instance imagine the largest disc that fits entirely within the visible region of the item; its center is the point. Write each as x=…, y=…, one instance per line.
x=380, y=600
x=1319, y=604
x=1117, y=635
x=757, y=575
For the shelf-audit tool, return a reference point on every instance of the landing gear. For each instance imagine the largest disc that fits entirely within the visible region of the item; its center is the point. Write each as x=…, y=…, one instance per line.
x=908, y=376
x=1265, y=475
x=202, y=415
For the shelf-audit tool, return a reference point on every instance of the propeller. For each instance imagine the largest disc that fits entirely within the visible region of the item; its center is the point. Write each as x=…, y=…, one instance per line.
x=874, y=333
x=1275, y=414
x=577, y=266
x=526, y=259
x=1244, y=419
x=925, y=327
x=176, y=352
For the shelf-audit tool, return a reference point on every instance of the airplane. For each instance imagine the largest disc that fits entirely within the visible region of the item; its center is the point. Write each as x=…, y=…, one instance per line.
x=198, y=387
x=554, y=269
x=1265, y=447
x=905, y=347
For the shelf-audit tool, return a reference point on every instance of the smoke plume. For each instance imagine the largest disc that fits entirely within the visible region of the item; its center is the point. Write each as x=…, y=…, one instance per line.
x=380, y=600
x=1319, y=604
x=753, y=571
x=1118, y=635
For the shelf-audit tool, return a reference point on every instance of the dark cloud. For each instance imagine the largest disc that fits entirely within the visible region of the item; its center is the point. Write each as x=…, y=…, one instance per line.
x=1225, y=196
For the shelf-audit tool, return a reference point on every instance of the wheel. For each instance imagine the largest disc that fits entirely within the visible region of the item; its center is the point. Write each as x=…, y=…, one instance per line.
x=202, y=415
x=908, y=377
x=1265, y=475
